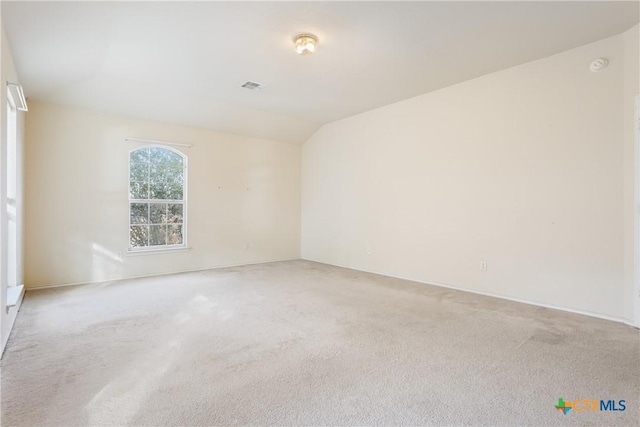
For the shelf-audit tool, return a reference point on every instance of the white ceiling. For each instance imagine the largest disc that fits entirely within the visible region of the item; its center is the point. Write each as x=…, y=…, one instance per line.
x=184, y=62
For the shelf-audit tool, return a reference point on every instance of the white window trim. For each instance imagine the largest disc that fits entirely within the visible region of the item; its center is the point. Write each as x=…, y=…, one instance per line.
x=11, y=166
x=149, y=250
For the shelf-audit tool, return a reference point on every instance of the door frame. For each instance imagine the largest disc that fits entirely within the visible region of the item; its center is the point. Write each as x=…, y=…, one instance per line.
x=636, y=216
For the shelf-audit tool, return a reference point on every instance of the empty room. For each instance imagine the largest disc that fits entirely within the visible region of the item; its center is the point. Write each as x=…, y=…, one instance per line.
x=320, y=213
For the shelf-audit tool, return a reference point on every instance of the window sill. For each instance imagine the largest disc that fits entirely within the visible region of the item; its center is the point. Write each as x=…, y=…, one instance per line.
x=139, y=252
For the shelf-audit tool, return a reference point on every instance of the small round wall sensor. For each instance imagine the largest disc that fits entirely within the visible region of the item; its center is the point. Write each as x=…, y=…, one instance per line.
x=598, y=64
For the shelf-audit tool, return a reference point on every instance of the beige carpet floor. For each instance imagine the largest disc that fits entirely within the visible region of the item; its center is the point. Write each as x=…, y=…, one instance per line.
x=302, y=343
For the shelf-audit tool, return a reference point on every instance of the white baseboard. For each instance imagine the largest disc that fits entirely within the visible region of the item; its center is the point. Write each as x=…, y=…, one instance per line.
x=489, y=294
x=97, y=282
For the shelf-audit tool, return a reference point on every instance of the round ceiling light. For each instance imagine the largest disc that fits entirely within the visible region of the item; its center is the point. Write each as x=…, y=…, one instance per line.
x=305, y=43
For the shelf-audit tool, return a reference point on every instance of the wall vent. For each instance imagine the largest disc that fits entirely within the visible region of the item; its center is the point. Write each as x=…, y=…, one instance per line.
x=253, y=86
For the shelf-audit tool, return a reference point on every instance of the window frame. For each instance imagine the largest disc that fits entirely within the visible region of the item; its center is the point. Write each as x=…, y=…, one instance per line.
x=12, y=209
x=158, y=248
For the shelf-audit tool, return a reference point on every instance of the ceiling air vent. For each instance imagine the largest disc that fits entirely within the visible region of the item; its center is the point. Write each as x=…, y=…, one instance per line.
x=253, y=85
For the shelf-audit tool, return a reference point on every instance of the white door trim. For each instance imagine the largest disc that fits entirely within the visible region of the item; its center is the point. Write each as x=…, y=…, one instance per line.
x=636, y=217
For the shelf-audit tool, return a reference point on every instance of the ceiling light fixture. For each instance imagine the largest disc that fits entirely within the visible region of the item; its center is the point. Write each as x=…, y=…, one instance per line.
x=305, y=43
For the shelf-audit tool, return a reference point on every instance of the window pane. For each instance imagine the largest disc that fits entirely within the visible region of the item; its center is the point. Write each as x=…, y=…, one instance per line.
x=174, y=183
x=157, y=181
x=138, y=172
x=174, y=174
x=158, y=235
x=138, y=190
x=160, y=155
x=174, y=192
x=138, y=235
x=174, y=235
x=158, y=190
x=175, y=213
x=166, y=182
x=158, y=213
x=175, y=160
x=139, y=156
x=139, y=213
x=158, y=172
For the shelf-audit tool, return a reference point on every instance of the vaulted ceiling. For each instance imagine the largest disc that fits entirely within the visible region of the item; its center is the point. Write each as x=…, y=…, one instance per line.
x=184, y=62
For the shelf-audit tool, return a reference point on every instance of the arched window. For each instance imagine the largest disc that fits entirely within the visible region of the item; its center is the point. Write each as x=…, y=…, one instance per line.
x=157, y=198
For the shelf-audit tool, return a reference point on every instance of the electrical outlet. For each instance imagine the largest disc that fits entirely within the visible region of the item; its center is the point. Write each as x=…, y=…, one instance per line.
x=368, y=250
x=246, y=245
x=483, y=265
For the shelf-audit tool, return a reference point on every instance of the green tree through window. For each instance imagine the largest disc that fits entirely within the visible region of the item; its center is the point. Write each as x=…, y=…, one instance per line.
x=157, y=210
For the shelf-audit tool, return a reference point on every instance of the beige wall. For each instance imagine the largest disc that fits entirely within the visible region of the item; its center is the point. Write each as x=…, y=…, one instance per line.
x=8, y=73
x=631, y=178
x=522, y=168
x=240, y=190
